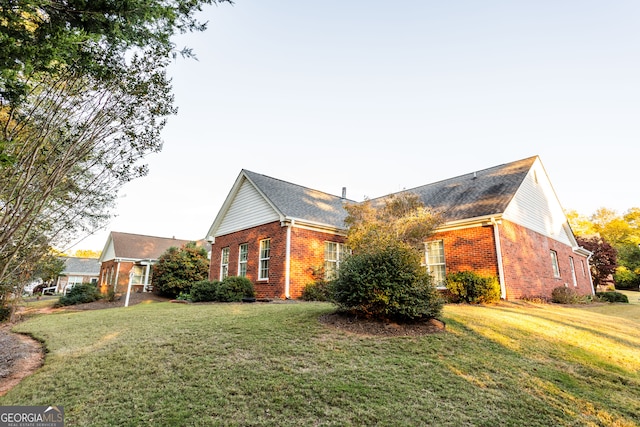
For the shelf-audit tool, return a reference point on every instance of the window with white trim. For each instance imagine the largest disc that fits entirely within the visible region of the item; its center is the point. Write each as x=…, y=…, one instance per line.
x=138, y=275
x=74, y=280
x=554, y=264
x=243, y=256
x=224, y=263
x=265, y=253
x=434, y=260
x=573, y=271
x=584, y=270
x=333, y=256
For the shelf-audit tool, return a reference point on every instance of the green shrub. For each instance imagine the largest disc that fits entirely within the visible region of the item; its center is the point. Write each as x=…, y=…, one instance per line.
x=386, y=284
x=205, y=290
x=178, y=268
x=470, y=287
x=320, y=290
x=234, y=288
x=80, y=294
x=564, y=295
x=612, y=297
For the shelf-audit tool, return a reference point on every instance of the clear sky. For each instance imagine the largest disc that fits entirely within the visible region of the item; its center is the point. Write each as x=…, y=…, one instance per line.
x=379, y=96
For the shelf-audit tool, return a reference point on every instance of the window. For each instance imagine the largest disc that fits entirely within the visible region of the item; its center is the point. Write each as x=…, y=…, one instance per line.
x=94, y=281
x=434, y=256
x=584, y=270
x=74, y=280
x=265, y=249
x=573, y=271
x=243, y=255
x=137, y=277
x=224, y=263
x=333, y=256
x=554, y=264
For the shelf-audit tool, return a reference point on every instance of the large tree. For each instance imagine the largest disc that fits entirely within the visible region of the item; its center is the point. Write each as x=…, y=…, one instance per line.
x=83, y=98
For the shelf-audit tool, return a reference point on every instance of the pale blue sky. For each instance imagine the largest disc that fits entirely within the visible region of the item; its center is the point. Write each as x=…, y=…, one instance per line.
x=378, y=96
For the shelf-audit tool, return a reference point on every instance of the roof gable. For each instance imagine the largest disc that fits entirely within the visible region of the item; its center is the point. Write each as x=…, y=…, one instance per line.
x=477, y=194
x=257, y=199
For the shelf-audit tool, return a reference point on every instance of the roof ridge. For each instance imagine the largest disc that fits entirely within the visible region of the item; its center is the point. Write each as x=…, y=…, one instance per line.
x=297, y=185
x=155, y=237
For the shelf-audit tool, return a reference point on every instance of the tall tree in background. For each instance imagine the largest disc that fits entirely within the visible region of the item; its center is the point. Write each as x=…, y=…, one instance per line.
x=83, y=98
x=622, y=232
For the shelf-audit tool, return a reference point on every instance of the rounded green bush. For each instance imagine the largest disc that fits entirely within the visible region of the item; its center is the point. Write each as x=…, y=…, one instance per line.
x=234, y=288
x=470, y=287
x=320, y=290
x=204, y=291
x=80, y=294
x=612, y=297
x=386, y=284
x=564, y=295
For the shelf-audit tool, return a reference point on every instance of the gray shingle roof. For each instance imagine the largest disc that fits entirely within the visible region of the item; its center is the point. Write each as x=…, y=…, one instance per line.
x=81, y=266
x=485, y=192
x=296, y=201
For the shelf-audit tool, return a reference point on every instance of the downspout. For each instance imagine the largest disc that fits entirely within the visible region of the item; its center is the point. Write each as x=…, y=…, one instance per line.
x=115, y=282
x=496, y=236
x=593, y=292
x=287, y=261
x=146, y=278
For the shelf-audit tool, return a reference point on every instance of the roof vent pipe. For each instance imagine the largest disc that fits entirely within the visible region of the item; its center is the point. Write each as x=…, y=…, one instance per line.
x=344, y=193
x=475, y=175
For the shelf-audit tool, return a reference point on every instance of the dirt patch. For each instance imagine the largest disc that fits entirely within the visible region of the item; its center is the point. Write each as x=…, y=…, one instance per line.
x=368, y=327
x=20, y=356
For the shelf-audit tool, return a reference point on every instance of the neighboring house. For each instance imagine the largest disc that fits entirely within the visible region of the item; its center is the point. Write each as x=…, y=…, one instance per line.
x=129, y=257
x=77, y=271
x=505, y=221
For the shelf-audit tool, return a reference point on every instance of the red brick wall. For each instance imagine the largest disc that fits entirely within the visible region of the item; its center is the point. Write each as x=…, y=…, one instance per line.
x=123, y=276
x=527, y=263
x=307, y=251
x=470, y=249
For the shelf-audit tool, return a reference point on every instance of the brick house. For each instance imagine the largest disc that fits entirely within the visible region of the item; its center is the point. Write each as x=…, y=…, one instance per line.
x=76, y=271
x=129, y=257
x=504, y=221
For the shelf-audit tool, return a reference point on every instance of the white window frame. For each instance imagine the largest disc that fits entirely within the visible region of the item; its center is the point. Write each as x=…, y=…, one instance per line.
x=554, y=263
x=333, y=258
x=573, y=271
x=139, y=272
x=243, y=257
x=263, y=259
x=224, y=263
x=438, y=268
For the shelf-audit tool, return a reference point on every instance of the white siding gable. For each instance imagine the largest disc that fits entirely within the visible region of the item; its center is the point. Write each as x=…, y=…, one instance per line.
x=108, y=252
x=536, y=206
x=247, y=209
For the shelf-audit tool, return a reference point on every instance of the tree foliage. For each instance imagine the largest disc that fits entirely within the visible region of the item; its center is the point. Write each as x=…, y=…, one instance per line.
x=622, y=232
x=397, y=218
x=178, y=268
x=603, y=261
x=384, y=277
x=49, y=35
x=84, y=96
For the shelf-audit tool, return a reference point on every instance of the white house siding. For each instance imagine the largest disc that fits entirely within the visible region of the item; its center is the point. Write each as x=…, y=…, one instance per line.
x=536, y=206
x=108, y=252
x=248, y=209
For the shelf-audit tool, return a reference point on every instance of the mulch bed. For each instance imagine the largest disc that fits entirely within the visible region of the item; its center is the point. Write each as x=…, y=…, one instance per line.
x=360, y=326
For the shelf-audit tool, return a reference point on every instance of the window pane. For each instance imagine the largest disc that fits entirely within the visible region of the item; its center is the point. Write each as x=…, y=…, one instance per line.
x=554, y=264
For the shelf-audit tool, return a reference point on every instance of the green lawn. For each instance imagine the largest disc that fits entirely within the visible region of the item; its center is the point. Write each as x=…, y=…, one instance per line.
x=275, y=364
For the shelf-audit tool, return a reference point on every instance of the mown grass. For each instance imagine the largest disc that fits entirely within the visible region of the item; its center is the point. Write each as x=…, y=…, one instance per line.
x=275, y=364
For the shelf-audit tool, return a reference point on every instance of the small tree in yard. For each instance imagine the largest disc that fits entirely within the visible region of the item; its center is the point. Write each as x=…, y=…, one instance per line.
x=178, y=268
x=384, y=278
x=604, y=259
